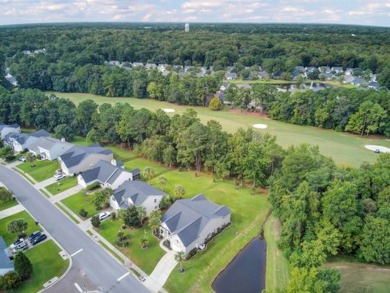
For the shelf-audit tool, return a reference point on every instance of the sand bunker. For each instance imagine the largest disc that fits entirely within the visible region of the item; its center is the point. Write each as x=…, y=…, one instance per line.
x=374, y=148
x=169, y=110
x=260, y=126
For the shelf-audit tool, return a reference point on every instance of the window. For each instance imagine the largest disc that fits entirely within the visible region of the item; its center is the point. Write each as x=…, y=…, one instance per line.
x=155, y=200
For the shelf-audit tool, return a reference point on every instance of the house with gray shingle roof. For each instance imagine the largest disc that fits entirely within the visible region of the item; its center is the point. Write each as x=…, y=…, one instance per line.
x=81, y=158
x=6, y=265
x=137, y=193
x=22, y=141
x=49, y=148
x=231, y=75
x=109, y=175
x=6, y=129
x=189, y=223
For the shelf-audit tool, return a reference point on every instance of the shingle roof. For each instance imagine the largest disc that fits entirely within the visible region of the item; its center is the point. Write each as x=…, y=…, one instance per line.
x=188, y=217
x=76, y=154
x=137, y=191
x=103, y=172
x=5, y=262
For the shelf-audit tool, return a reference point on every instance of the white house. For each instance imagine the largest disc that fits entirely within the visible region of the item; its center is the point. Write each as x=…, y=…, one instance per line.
x=109, y=175
x=6, y=129
x=81, y=158
x=6, y=265
x=21, y=141
x=188, y=223
x=137, y=193
x=49, y=148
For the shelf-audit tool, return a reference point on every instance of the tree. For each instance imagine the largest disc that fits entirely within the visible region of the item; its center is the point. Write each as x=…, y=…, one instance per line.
x=155, y=220
x=84, y=113
x=313, y=280
x=162, y=180
x=141, y=213
x=131, y=217
x=17, y=226
x=148, y=173
x=6, y=153
x=5, y=195
x=122, y=240
x=215, y=104
x=179, y=191
x=9, y=281
x=23, y=266
x=99, y=199
x=144, y=242
x=64, y=131
x=180, y=257
x=30, y=157
x=95, y=221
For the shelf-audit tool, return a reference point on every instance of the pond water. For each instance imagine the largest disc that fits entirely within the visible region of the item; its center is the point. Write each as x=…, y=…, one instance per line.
x=246, y=273
x=312, y=86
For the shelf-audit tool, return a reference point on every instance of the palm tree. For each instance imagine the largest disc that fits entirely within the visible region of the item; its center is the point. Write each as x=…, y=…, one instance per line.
x=179, y=191
x=180, y=257
x=141, y=213
x=154, y=220
x=162, y=180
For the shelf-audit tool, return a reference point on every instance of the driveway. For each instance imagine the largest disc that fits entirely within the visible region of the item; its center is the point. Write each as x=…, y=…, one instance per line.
x=91, y=259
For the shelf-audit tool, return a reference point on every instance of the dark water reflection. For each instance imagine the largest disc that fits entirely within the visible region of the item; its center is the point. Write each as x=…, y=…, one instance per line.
x=246, y=273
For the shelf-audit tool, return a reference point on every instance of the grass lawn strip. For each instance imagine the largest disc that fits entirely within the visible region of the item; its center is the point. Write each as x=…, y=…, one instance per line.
x=146, y=259
x=47, y=264
x=10, y=238
x=45, y=193
x=79, y=201
x=344, y=148
x=62, y=185
x=8, y=204
x=278, y=274
x=43, y=169
x=62, y=208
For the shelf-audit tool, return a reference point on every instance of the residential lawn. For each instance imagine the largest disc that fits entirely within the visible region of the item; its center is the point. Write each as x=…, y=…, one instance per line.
x=8, y=204
x=344, y=148
x=62, y=185
x=121, y=154
x=278, y=273
x=146, y=259
x=47, y=264
x=79, y=201
x=248, y=213
x=143, y=163
x=43, y=169
x=361, y=278
x=10, y=238
x=79, y=140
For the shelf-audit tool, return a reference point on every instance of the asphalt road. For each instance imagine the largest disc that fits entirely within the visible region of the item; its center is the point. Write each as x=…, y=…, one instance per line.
x=93, y=260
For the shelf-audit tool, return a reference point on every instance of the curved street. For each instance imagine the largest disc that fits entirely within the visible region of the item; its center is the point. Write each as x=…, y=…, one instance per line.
x=92, y=261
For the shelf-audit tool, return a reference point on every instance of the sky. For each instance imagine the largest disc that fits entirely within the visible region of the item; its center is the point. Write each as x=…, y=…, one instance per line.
x=361, y=12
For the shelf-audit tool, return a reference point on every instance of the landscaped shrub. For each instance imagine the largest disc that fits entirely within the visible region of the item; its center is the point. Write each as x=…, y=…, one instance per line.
x=23, y=266
x=93, y=186
x=191, y=253
x=95, y=221
x=122, y=240
x=9, y=281
x=83, y=213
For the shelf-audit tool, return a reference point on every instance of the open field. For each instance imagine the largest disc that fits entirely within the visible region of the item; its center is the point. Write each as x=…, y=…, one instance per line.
x=359, y=277
x=10, y=238
x=80, y=201
x=146, y=259
x=42, y=170
x=277, y=266
x=62, y=185
x=47, y=264
x=344, y=148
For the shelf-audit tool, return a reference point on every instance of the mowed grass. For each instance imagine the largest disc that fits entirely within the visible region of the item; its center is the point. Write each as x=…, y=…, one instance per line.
x=344, y=148
x=42, y=170
x=361, y=278
x=81, y=201
x=278, y=274
x=62, y=185
x=47, y=264
x=9, y=238
x=121, y=154
x=141, y=164
x=146, y=259
x=8, y=204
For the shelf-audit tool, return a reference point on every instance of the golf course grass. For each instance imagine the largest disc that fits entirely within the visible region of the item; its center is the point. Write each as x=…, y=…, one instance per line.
x=346, y=149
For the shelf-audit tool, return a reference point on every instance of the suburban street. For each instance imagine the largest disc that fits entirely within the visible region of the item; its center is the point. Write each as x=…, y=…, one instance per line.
x=93, y=261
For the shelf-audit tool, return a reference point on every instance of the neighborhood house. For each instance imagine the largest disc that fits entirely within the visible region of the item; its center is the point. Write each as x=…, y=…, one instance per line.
x=189, y=223
x=49, y=148
x=109, y=175
x=137, y=193
x=22, y=141
x=6, y=265
x=81, y=158
x=6, y=129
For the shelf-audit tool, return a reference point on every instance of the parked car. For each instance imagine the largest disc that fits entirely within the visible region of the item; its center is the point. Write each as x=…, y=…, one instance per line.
x=104, y=215
x=22, y=159
x=34, y=235
x=38, y=239
x=19, y=244
x=59, y=176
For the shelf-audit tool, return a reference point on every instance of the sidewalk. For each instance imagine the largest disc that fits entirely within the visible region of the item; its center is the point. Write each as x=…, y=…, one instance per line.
x=12, y=210
x=65, y=194
x=44, y=183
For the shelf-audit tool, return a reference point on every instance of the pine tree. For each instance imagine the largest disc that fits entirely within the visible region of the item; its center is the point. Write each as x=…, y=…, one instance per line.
x=23, y=266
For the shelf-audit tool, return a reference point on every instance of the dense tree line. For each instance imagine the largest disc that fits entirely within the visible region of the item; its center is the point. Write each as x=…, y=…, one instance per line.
x=275, y=47
x=354, y=110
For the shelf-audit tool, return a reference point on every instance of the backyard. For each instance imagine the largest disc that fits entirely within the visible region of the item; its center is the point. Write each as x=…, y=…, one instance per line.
x=39, y=169
x=344, y=148
x=62, y=185
x=47, y=264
